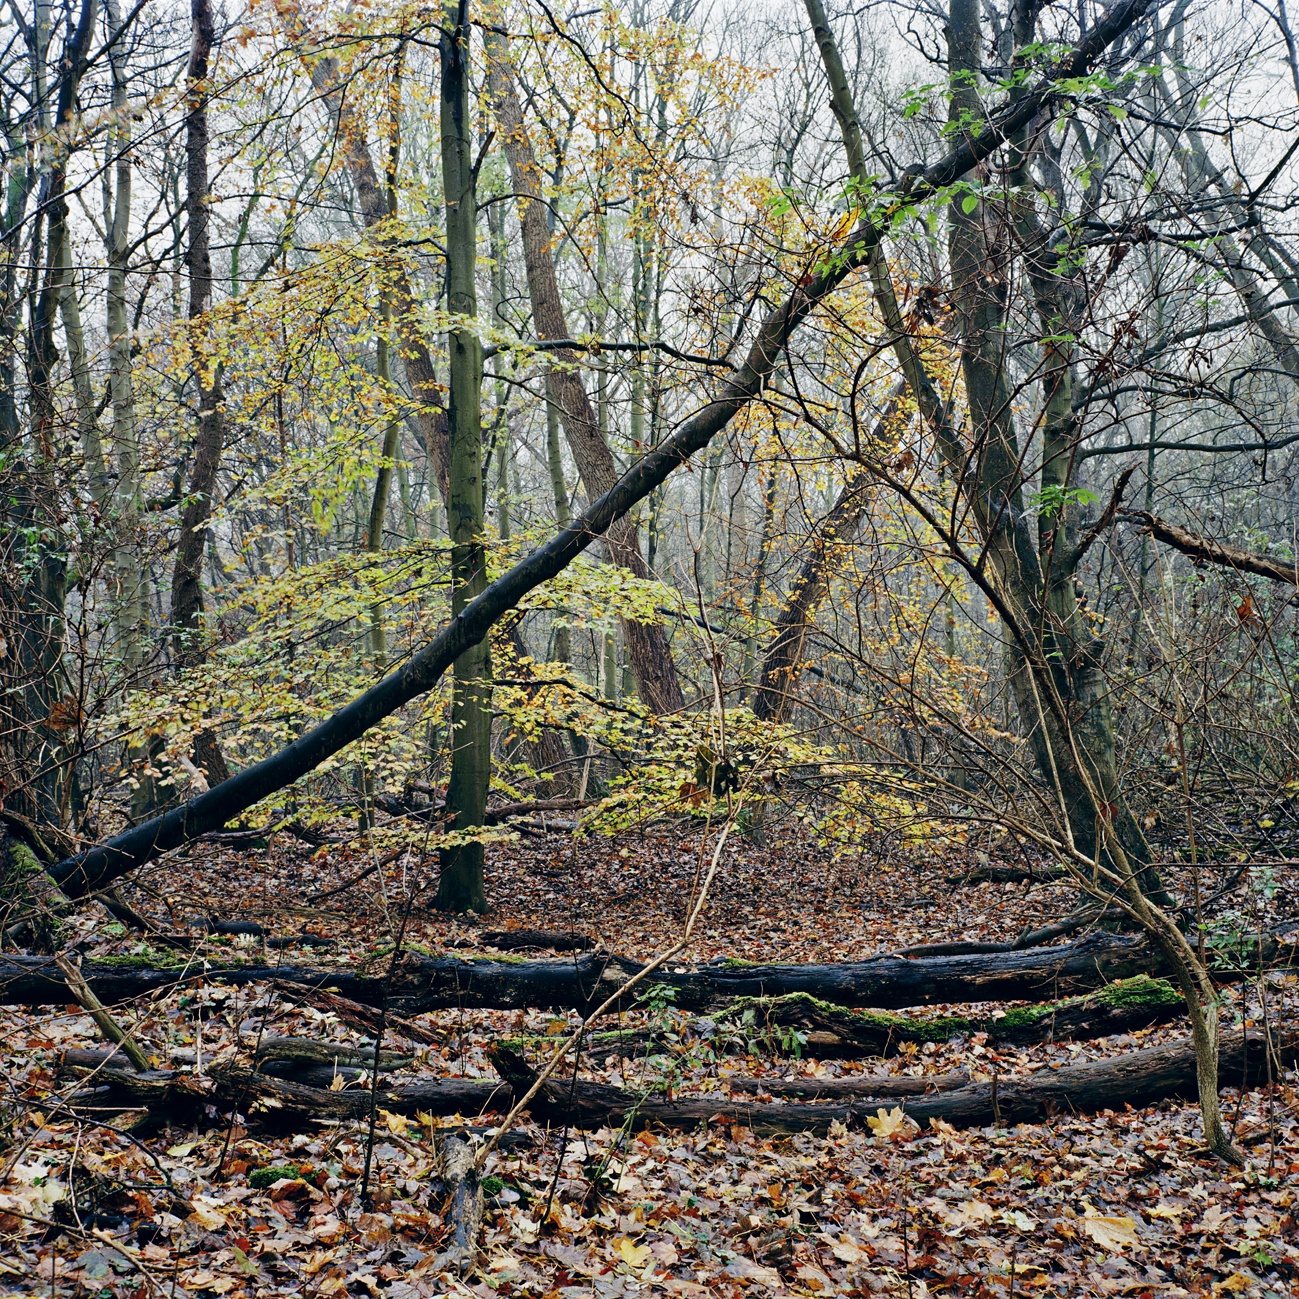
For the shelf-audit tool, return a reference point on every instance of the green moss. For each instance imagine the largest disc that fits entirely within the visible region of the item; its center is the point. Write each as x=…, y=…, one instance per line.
x=501, y=958
x=149, y=959
x=492, y=1185
x=1141, y=991
x=260, y=1178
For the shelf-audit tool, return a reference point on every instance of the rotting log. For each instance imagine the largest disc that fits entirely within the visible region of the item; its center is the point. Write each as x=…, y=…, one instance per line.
x=368, y=1019
x=1135, y=1078
x=829, y=1032
x=868, y=1085
x=260, y=1096
x=309, y=1052
x=886, y=982
x=464, y=1209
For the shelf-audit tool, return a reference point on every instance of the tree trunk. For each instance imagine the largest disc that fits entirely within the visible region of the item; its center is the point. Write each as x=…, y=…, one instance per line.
x=1055, y=664
x=647, y=645
x=209, y=440
x=783, y=662
x=461, y=884
x=35, y=714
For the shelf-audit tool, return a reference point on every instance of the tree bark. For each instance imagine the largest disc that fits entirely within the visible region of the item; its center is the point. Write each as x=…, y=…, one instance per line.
x=1204, y=550
x=209, y=441
x=1134, y=1079
x=423, y=984
x=647, y=645
x=461, y=885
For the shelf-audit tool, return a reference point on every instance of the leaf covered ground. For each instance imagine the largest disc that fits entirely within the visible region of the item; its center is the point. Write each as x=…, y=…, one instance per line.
x=99, y=1202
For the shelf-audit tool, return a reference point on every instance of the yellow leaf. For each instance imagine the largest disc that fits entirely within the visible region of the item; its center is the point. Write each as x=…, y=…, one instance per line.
x=1236, y=1282
x=632, y=1254
x=320, y=1258
x=889, y=1121
x=847, y=1251
x=1110, y=1233
x=396, y=1122
x=972, y=1213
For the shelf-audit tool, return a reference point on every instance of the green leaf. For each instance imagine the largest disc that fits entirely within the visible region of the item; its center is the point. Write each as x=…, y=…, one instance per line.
x=969, y=203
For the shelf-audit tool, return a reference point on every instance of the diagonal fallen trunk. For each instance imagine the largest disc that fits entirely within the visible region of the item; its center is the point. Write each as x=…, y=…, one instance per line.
x=423, y=984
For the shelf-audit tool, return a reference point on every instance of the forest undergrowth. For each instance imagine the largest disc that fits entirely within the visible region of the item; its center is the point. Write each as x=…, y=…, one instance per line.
x=103, y=1199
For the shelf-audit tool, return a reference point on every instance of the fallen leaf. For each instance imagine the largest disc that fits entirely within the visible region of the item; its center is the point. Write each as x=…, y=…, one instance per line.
x=889, y=1121
x=1110, y=1232
x=635, y=1256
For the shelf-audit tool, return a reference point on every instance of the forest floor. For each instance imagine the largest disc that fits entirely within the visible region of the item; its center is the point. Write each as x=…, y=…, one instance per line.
x=1123, y=1203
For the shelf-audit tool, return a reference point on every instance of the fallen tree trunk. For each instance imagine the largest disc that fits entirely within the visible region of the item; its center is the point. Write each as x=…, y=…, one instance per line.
x=258, y=1095
x=887, y=982
x=1137, y=1078
x=828, y=1032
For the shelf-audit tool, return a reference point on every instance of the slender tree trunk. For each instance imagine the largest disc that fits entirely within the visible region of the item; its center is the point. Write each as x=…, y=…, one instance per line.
x=392, y=428
x=774, y=699
x=34, y=713
x=209, y=440
x=1053, y=663
x=647, y=645
x=431, y=416
x=461, y=885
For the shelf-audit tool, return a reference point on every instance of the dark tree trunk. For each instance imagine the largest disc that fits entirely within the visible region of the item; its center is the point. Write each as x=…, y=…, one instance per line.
x=461, y=885
x=423, y=984
x=209, y=440
x=1137, y=1078
x=36, y=770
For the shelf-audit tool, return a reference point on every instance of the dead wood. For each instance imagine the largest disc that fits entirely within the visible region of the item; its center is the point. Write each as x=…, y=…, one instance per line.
x=1008, y=875
x=110, y=1028
x=422, y=984
x=1136, y=1078
x=464, y=1211
x=842, y=1088
x=368, y=1019
x=514, y=940
x=309, y=1051
x=827, y=1032
x=283, y=1102
x=1203, y=550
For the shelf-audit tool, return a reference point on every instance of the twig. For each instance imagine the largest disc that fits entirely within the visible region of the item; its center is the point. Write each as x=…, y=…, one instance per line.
x=567, y=1045
x=110, y=1028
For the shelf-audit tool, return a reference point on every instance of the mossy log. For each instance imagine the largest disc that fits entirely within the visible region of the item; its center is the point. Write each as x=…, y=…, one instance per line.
x=424, y=983
x=825, y=1031
x=1135, y=1078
